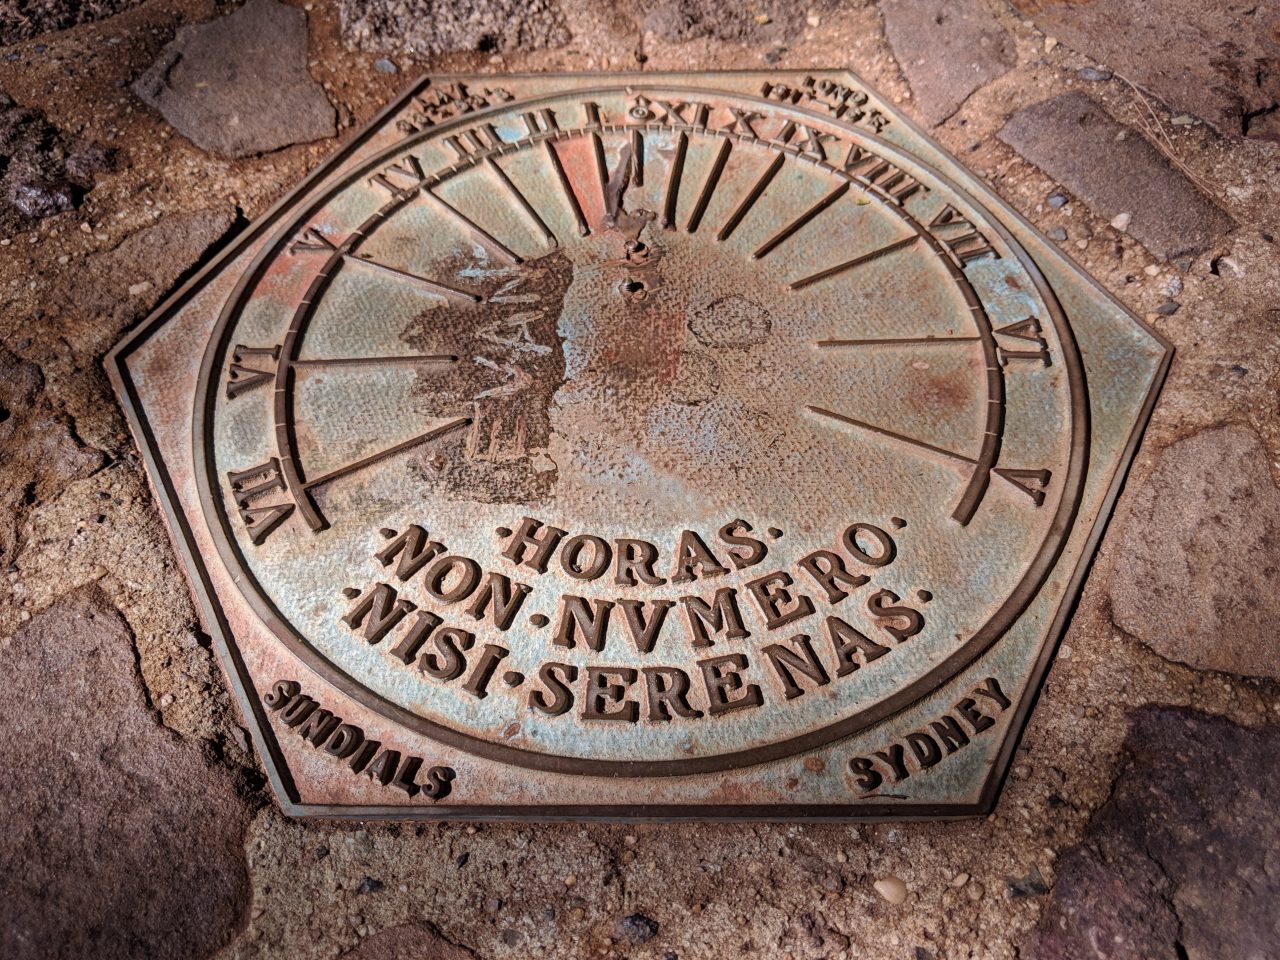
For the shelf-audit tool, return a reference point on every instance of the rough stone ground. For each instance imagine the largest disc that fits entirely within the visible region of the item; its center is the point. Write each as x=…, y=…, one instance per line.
x=80, y=532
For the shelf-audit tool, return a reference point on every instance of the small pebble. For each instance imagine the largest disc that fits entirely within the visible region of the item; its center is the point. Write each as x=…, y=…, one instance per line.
x=1121, y=221
x=1057, y=200
x=1082, y=244
x=1093, y=74
x=383, y=65
x=813, y=20
x=1151, y=270
x=892, y=889
x=1173, y=286
x=1058, y=234
x=1183, y=120
x=137, y=289
x=1049, y=44
x=1168, y=308
x=976, y=891
x=960, y=879
x=571, y=880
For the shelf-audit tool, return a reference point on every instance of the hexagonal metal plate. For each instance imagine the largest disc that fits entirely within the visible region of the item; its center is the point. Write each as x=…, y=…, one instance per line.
x=643, y=446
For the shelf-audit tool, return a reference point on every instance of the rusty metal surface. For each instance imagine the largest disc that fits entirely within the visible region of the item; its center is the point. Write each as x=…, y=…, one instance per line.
x=643, y=446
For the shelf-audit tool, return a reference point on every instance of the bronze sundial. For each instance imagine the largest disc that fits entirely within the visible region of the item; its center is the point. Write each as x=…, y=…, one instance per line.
x=638, y=446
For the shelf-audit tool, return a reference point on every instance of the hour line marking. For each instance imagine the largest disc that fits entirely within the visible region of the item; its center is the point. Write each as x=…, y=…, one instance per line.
x=637, y=158
x=752, y=196
x=790, y=229
x=523, y=202
x=486, y=239
x=891, y=434
x=565, y=185
x=855, y=262
x=440, y=431
x=708, y=188
x=898, y=340
x=435, y=286
x=602, y=167
x=673, y=182
x=371, y=361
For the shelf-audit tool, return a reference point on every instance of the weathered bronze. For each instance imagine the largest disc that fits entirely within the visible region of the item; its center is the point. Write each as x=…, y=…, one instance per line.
x=645, y=446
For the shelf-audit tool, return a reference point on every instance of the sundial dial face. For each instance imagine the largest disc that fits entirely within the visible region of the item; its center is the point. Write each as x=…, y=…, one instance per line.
x=643, y=446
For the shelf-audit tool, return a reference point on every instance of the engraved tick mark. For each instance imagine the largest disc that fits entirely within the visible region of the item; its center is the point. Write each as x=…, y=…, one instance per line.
x=673, y=182
x=855, y=262
x=523, y=202
x=567, y=187
x=435, y=434
x=752, y=196
x=435, y=286
x=487, y=240
x=794, y=226
x=709, y=187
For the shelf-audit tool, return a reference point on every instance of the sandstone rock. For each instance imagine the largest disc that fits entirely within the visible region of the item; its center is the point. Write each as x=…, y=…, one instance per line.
x=119, y=839
x=431, y=27
x=409, y=941
x=946, y=50
x=1180, y=862
x=1115, y=170
x=98, y=295
x=238, y=85
x=1217, y=61
x=1200, y=556
x=43, y=171
x=761, y=22
x=40, y=452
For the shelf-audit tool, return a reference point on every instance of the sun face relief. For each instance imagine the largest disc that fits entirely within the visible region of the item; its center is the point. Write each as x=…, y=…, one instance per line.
x=641, y=432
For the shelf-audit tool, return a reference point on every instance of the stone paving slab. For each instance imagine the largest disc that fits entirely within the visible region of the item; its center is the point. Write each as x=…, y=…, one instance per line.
x=1116, y=172
x=1176, y=865
x=946, y=50
x=1216, y=61
x=121, y=839
x=238, y=85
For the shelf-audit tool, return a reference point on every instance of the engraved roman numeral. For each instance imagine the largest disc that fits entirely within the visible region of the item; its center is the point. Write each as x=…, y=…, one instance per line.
x=669, y=112
x=888, y=179
x=855, y=262
x=311, y=241
x=241, y=376
x=965, y=245
x=811, y=141
x=741, y=122
x=477, y=142
x=409, y=169
x=539, y=121
x=1029, y=331
x=1031, y=482
x=249, y=486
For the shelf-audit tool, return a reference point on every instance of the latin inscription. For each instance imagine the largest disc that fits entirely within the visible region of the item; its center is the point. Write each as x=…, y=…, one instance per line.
x=809, y=623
